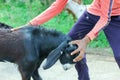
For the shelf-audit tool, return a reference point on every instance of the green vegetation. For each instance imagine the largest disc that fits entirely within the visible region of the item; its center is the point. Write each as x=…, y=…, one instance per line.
x=19, y=13
x=87, y=1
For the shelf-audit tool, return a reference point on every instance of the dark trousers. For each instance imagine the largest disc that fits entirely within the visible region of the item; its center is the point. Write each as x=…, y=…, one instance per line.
x=83, y=26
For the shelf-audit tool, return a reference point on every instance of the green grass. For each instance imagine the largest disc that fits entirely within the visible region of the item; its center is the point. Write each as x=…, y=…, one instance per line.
x=100, y=41
x=87, y=1
x=18, y=14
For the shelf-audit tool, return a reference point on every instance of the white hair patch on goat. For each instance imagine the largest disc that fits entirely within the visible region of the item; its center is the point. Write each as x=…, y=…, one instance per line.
x=67, y=66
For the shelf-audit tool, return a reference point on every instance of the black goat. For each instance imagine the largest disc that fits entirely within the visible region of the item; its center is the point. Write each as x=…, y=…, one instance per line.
x=29, y=46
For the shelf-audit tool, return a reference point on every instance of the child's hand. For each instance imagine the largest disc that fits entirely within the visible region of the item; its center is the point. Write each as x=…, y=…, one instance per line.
x=17, y=28
x=82, y=44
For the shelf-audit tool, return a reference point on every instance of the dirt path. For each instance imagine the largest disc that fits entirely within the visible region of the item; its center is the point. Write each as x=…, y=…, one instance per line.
x=101, y=67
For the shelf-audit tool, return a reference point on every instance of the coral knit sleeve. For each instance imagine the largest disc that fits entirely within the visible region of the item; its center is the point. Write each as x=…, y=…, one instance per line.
x=49, y=13
x=105, y=11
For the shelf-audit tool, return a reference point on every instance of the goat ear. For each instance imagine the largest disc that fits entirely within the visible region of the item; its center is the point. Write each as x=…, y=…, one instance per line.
x=56, y=53
x=52, y=58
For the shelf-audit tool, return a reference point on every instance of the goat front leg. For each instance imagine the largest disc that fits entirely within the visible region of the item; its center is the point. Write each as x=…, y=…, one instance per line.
x=27, y=67
x=35, y=74
x=24, y=74
x=27, y=70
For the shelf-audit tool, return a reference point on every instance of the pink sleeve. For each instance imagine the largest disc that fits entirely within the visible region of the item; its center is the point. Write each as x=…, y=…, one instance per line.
x=103, y=21
x=52, y=11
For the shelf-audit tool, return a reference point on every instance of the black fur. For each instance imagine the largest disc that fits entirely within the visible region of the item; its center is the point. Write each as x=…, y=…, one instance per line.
x=28, y=47
x=5, y=26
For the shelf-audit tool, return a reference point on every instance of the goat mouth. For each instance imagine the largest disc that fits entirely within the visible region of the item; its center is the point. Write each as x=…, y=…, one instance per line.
x=67, y=66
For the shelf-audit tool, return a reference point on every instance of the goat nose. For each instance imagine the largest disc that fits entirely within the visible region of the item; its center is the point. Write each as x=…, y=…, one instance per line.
x=65, y=69
x=67, y=66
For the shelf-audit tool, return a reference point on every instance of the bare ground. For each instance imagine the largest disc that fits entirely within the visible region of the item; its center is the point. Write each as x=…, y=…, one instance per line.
x=102, y=66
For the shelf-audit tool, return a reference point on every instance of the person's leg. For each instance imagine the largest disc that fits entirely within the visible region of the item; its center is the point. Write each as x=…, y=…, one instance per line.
x=82, y=69
x=79, y=30
x=112, y=32
x=83, y=26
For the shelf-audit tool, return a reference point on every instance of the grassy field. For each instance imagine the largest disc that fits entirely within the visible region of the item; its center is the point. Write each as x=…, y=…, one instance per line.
x=18, y=13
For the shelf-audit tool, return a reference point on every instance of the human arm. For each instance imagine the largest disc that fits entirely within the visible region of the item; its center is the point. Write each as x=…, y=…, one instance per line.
x=49, y=13
x=105, y=14
x=102, y=22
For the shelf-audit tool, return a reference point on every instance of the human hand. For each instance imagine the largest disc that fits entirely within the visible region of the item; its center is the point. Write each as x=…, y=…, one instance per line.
x=82, y=44
x=20, y=27
x=15, y=29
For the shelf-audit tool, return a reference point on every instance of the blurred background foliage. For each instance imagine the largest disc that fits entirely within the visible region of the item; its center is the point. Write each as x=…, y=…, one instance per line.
x=18, y=12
